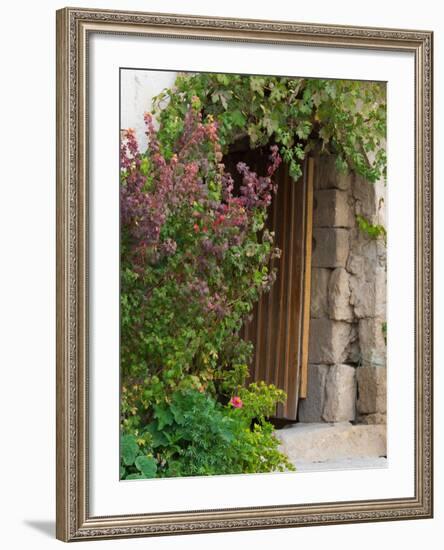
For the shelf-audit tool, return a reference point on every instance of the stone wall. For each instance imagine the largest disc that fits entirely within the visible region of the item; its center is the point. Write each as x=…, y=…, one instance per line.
x=347, y=352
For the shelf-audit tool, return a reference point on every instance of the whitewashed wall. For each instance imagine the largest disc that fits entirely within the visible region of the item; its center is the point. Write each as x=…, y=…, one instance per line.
x=137, y=88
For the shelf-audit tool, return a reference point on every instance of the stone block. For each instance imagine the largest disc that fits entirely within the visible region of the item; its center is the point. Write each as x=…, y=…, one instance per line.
x=362, y=297
x=340, y=394
x=323, y=441
x=368, y=297
x=366, y=199
x=330, y=247
x=310, y=408
x=365, y=253
x=372, y=390
x=341, y=464
x=381, y=292
x=339, y=307
x=329, y=341
x=319, y=292
x=355, y=263
x=354, y=351
x=381, y=197
x=372, y=343
x=332, y=209
x=326, y=175
x=371, y=419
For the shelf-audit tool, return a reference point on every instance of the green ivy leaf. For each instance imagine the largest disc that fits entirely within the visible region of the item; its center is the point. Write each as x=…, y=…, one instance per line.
x=278, y=92
x=303, y=129
x=223, y=79
x=270, y=123
x=374, y=231
x=238, y=119
x=295, y=170
x=255, y=134
x=257, y=85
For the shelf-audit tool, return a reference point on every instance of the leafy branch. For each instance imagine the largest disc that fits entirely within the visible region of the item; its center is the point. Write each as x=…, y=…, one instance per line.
x=347, y=118
x=374, y=231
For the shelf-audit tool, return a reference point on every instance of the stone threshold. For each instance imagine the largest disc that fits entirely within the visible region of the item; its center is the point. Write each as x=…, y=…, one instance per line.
x=334, y=446
x=341, y=464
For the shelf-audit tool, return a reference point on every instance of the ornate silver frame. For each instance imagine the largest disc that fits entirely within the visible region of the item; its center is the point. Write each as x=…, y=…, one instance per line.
x=73, y=519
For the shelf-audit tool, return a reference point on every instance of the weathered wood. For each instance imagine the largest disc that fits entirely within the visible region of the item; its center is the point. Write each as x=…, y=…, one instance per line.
x=307, y=279
x=280, y=320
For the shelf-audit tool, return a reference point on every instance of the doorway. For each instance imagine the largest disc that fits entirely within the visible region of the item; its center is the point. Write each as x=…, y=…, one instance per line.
x=279, y=324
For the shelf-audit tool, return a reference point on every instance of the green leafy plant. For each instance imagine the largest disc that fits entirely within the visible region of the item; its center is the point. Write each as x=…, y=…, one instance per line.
x=194, y=259
x=135, y=463
x=194, y=434
x=384, y=332
x=347, y=118
x=374, y=231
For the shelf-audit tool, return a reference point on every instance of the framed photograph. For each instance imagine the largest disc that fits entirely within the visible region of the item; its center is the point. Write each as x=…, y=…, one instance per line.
x=244, y=274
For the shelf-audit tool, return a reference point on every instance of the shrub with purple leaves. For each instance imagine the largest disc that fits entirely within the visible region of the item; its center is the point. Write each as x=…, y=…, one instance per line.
x=194, y=260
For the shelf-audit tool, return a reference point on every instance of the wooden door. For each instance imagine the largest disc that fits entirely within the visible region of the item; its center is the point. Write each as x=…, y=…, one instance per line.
x=280, y=320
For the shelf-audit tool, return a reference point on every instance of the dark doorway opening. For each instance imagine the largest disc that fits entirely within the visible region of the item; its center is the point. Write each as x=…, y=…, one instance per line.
x=279, y=325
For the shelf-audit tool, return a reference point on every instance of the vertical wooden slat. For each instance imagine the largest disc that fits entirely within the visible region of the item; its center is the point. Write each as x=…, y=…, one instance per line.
x=294, y=280
x=307, y=279
x=279, y=336
x=287, y=275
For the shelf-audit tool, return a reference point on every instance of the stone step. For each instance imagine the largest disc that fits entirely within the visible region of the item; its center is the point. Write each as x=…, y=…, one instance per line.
x=341, y=464
x=319, y=442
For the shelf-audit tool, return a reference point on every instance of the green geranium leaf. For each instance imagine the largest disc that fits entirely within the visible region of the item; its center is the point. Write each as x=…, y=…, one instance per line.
x=129, y=449
x=158, y=438
x=146, y=465
x=134, y=476
x=164, y=416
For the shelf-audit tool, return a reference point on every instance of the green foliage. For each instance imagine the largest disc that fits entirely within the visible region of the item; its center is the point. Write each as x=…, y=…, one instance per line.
x=384, y=332
x=374, y=231
x=347, y=117
x=135, y=463
x=194, y=260
x=193, y=434
x=129, y=450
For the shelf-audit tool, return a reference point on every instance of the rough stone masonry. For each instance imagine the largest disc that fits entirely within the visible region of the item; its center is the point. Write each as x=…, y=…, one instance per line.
x=347, y=351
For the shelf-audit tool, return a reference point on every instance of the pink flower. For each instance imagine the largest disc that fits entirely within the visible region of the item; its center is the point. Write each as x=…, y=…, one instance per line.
x=236, y=402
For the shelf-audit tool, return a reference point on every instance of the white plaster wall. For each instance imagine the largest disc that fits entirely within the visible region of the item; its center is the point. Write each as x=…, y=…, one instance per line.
x=137, y=88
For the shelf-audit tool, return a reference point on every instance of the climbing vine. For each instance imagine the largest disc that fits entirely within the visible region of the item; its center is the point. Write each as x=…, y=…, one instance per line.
x=374, y=231
x=344, y=117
